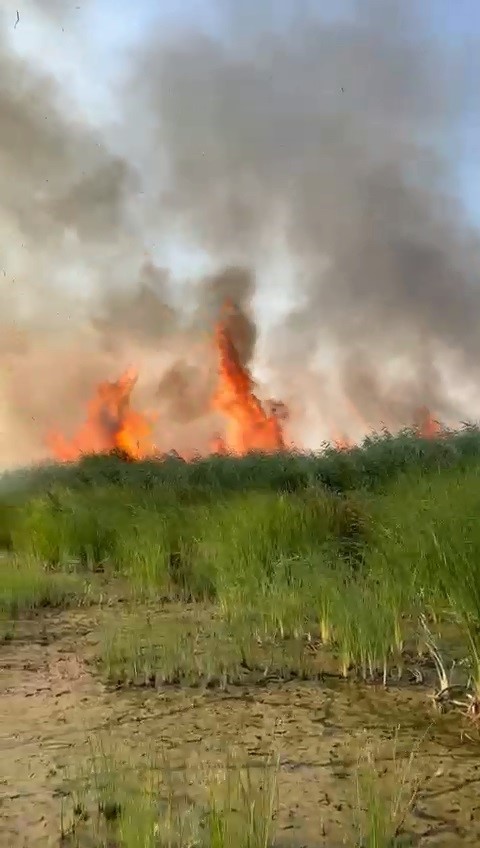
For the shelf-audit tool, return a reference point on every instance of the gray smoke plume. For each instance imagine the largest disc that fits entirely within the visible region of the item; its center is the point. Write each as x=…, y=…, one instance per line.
x=331, y=143
x=68, y=242
x=338, y=136
x=81, y=298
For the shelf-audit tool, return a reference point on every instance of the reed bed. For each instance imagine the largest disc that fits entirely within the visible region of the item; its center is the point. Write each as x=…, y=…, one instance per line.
x=375, y=573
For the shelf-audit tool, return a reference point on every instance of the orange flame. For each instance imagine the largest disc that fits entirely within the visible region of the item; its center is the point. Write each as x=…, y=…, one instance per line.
x=249, y=427
x=426, y=425
x=342, y=443
x=111, y=424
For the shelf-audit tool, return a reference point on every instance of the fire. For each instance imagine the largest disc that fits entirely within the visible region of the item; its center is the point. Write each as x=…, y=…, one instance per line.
x=111, y=424
x=250, y=426
x=426, y=426
x=342, y=443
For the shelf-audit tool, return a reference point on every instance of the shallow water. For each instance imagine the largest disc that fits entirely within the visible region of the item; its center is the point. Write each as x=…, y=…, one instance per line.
x=51, y=704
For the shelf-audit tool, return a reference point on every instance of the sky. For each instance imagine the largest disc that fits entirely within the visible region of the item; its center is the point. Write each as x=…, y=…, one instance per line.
x=87, y=52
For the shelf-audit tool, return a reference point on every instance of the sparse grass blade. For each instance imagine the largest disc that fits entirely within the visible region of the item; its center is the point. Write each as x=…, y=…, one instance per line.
x=147, y=804
x=385, y=797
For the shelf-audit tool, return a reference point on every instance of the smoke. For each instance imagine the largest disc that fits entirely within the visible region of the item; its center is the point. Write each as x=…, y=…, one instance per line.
x=185, y=390
x=63, y=211
x=339, y=137
x=82, y=299
x=67, y=239
x=333, y=141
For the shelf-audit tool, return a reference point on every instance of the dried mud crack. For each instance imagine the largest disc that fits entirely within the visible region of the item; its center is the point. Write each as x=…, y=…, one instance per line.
x=51, y=703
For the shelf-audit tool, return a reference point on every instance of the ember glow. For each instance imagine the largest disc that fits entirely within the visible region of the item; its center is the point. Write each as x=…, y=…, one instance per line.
x=249, y=424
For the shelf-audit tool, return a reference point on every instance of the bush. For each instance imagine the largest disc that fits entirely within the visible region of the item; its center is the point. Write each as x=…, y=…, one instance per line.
x=373, y=465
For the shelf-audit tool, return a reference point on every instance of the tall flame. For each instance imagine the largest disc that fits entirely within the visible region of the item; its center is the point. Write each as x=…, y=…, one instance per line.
x=426, y=426
x=249, y=427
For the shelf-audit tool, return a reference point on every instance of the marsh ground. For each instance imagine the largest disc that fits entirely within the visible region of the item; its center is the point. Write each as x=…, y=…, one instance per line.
x=54, y=707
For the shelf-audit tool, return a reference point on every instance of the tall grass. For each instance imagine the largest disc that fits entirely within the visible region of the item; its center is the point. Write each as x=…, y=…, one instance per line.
x=25, y=585
x=428, y=539
x=263, y=546
x=179, y=546
x=288, y=557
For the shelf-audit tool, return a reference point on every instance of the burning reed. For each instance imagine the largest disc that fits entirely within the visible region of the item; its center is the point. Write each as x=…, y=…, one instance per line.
x=112, y=424
x=248, y=425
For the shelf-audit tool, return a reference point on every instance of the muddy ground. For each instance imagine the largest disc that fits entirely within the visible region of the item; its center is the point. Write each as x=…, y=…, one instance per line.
x=52, y=703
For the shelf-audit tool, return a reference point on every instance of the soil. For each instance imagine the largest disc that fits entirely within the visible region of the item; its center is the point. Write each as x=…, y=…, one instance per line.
x=52, y=703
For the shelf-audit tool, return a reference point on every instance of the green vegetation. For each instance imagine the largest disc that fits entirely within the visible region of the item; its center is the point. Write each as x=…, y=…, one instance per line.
x=26, y=585
x=282, y=555
x=189, y=648
x=380, y=459
x=363, y=565
x=384, y=801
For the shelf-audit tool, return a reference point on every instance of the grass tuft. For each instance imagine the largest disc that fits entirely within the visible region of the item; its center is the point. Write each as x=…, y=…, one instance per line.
x=150, y=804
x=26, y=585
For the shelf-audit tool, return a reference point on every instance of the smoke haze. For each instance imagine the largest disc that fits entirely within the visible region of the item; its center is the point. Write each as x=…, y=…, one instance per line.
x=333, y=142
